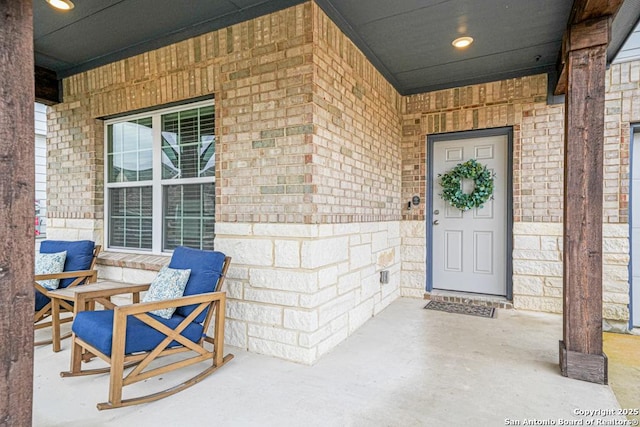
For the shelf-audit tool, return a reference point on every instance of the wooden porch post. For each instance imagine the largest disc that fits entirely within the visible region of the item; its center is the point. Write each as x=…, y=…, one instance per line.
x=17, y=175
x=581, y=354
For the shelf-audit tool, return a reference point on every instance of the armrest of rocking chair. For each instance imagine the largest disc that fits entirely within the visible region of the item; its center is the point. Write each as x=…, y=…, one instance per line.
x=80, y=275
x=141, y=312
x=145, y=307
x=40, y=288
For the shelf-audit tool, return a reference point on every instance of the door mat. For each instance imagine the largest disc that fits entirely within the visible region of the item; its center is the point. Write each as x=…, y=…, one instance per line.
x=451, y=307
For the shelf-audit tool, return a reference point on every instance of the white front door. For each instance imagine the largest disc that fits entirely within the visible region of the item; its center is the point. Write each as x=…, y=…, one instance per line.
x=469, y=248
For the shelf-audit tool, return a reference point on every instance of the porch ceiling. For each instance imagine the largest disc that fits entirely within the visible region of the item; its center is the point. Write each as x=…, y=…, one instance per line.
x=409, y=41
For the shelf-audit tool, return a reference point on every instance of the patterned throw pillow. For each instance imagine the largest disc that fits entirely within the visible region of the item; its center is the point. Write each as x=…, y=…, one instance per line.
x=168, y=284
x=50, y=264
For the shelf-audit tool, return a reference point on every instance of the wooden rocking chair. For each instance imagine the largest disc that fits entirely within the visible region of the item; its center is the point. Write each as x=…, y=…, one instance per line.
x=79, y=269
x=129, y=336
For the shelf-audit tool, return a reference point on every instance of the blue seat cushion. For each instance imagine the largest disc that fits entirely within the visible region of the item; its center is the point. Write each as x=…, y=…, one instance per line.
x=41, y=300
x=96, y=328
x=206, y=269
x=79, y=255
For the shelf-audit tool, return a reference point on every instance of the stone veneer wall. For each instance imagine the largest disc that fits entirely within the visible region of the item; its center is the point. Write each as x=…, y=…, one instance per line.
x=537, y=270
x=307, y=172
x=538, y=138
x=298, y=290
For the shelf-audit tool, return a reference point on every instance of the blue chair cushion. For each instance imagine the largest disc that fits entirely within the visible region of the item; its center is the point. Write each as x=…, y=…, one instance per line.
x=206, y=268
x=96, y=328
x=41, y=300
x=79, y=255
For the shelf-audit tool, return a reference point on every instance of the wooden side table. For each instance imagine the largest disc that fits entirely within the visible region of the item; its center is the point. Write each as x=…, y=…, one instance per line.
x=85, y=297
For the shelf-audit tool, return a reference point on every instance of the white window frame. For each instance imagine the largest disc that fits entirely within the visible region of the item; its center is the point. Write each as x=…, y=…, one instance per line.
x=157, y=183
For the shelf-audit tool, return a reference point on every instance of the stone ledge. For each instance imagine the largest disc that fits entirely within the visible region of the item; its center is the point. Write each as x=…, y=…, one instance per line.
x=140, y=262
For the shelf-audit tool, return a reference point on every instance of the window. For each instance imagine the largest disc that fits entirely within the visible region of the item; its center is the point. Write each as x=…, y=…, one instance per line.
x=160, y=174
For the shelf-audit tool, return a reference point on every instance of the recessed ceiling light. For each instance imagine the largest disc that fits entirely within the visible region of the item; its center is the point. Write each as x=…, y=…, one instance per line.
x=61, y=4
x=462, y=42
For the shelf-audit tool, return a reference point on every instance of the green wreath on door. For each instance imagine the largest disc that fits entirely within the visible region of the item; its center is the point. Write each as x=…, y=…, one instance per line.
x=452, y=185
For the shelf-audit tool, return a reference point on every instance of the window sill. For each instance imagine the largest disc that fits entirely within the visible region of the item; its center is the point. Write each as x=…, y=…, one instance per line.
x=136, y=261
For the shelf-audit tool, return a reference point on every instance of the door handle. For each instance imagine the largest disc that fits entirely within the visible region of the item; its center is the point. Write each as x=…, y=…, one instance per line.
x=435, y=222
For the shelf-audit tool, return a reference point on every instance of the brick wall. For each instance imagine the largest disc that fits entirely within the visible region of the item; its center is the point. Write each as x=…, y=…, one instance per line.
x=267, y=120
x=75, y=172
x=538, y=138
x=356, y=152
x=306, y=136
x=538, y=160
x=497, y=104
x=261, y=74
x=622, y=107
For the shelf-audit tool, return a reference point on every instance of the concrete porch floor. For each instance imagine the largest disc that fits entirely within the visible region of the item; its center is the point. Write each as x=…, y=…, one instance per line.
x=405, y=367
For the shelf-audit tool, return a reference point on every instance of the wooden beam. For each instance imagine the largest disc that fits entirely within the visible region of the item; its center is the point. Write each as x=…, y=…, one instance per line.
x=46, y=86
x=586, y=34
x=584, y=15
x=561, y=85
x=584, y=10
x=581, y=354
x=17, y=240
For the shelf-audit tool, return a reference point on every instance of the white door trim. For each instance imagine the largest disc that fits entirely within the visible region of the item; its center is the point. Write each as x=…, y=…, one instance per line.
x=634, y=243
x=431, y=191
